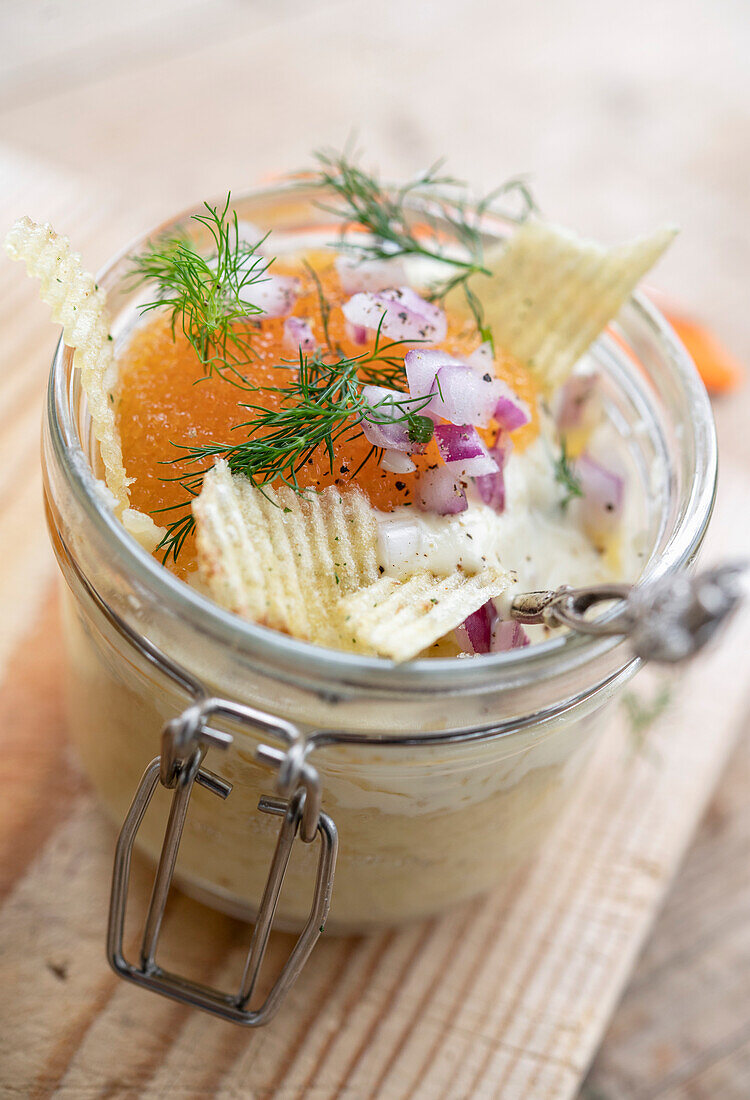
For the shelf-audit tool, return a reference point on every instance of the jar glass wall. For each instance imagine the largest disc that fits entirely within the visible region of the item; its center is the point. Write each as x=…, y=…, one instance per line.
x=451, y=770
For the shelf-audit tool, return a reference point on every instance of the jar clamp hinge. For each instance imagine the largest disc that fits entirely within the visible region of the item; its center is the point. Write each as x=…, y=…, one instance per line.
x=185, y=741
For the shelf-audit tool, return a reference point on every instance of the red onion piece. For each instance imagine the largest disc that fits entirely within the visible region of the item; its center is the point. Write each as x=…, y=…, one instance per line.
x=507, y=634
x=464, y=397
x=573, y=399
x=399, y=541
x=299, y=334
x=510, y=412
x=396, y=462
x=483, y=359
x=369, y=275
x=356, y=333
x=439, y=492
x=404, y=315
x=460, y=394
x=491, y=487
x=275, y=295
x=422, y=365
x=390, y=430
x=474, y=635
x=603, y=493
x=463, y=451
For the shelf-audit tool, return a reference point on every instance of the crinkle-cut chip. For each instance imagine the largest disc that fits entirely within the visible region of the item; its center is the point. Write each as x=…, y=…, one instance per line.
x=398, y=619
x=283, y=559
x=142, y=528
x=80, y=307
x=551, y=293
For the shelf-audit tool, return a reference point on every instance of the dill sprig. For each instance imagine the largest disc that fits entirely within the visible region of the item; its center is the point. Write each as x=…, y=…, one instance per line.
x=207, y=293
x=565, y=476
x=324, y=306
x=323, y=403
x=388, y=214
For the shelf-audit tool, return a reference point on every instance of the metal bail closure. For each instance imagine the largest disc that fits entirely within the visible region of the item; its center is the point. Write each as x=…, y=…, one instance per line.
x=666, y=620
x=185, y=741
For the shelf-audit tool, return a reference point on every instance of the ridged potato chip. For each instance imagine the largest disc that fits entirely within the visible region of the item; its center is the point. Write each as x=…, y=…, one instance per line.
x=551, y=293
x=282, y=559
x=399, y=619
x=80, y=306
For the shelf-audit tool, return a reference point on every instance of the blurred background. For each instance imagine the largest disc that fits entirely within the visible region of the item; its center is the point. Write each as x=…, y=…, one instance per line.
x=623, y=116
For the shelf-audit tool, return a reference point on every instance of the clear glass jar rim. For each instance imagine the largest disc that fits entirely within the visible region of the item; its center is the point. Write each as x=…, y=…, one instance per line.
x=553, y=656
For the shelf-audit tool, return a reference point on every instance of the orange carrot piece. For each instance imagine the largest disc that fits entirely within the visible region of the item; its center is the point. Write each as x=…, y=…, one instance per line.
x=719, y=369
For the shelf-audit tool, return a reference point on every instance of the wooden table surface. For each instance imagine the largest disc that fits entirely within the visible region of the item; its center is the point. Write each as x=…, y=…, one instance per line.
x=624, y=115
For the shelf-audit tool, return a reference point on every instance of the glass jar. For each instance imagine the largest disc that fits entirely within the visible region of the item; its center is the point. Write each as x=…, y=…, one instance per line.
x=441, y=775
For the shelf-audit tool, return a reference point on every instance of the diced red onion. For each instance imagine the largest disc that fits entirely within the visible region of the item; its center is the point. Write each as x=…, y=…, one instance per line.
x=491, y=487
x=275, y=295
x=439, y=492
x=405, y=316
x=460, y=393
x=508, y=634
x=369, y=275
x=603, y=493
x=463, y=451
x=510, y=412
x=574, y=395
x=390, y=430
x=356, y=333
x=399, y=542
x=483, y=358
x=396, y=462
x=464, y=397
x=299, y=334
x=474, y=635
x=422, y=365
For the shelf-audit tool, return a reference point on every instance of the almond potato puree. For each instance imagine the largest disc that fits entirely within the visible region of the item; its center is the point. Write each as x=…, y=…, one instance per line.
x=420, y=828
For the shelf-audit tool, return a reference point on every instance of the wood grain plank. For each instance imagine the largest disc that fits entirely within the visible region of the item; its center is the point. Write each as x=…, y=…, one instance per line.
x=521, y=1003
x=32, y=748
x=682, y=1028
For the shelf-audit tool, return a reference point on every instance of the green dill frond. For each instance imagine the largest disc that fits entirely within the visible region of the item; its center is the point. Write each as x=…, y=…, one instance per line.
x=323, y=304
x=208, y=297
x=565, y=476
x=207, y=294
x=321, y=404
x=388, y=215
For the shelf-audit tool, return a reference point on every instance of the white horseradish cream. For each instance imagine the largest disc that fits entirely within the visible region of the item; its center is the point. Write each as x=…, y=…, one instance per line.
x=542, y=543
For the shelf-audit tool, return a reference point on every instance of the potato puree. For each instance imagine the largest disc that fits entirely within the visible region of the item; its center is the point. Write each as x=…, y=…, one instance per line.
x=420, y=828
x=543, y=545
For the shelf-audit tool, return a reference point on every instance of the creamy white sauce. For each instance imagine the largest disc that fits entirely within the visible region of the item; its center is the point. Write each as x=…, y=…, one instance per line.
x=541, y=543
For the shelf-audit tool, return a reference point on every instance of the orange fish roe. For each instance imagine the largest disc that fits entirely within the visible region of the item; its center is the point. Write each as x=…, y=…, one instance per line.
x=166, y=399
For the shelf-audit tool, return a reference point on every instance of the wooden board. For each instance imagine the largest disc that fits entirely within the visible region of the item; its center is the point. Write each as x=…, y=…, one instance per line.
x=506, y=997
x=682, y=1030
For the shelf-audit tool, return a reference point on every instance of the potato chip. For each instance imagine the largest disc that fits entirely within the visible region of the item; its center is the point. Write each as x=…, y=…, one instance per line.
x=399, y=619
x=80, y=307
x=283, y=559
x=552, y=293
x=142, y=528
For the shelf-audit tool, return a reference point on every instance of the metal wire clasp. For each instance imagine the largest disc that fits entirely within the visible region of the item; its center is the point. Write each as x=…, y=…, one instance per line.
x=185, y=741
x=666, y=620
